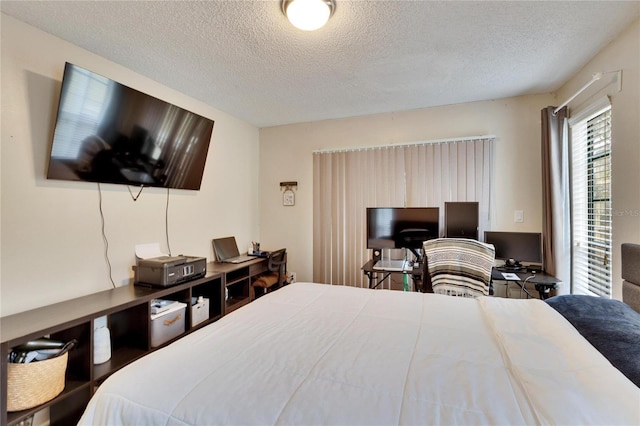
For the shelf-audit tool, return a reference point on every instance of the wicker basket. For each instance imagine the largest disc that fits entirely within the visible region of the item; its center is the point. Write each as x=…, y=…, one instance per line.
x=35, y=383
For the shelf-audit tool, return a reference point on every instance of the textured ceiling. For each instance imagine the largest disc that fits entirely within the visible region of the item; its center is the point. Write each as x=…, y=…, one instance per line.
x=244, y=58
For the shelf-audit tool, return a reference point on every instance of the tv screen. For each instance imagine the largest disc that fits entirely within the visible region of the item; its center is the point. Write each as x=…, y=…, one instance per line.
x=108, y=132
x=401, y=227
x=519, y=246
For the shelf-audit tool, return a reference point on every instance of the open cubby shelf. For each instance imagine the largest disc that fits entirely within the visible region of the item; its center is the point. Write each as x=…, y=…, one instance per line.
x=127, y=310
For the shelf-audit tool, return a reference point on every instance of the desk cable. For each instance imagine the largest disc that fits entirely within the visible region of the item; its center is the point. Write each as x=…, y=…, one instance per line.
x=523, y=286
x=104, y=237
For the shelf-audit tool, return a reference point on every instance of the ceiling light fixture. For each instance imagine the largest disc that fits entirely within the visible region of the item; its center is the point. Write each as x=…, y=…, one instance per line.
x=308, y=15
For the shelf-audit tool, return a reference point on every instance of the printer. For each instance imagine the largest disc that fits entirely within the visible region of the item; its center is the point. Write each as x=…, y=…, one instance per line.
x=165, y=271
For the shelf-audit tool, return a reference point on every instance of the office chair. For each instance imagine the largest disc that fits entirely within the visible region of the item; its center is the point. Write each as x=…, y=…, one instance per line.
x=458, y=266
x=276, y=277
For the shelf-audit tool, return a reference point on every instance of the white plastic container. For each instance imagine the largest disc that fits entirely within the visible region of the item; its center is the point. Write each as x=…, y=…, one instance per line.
x=101, y=345
x=168, y=324
x=199, y=312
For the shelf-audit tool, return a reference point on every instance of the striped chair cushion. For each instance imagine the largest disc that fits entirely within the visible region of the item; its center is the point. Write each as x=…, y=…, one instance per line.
x=459, y=267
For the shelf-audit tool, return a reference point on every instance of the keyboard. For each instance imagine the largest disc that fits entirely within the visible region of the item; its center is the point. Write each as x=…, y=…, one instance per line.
x=390, y=265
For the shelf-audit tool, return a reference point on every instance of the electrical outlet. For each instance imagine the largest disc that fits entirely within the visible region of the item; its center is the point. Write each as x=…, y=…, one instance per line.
x=518, y=216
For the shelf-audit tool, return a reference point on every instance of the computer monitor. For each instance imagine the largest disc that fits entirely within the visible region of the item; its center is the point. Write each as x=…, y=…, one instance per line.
x=516, y=247
x=461, y=219
x=401, y=227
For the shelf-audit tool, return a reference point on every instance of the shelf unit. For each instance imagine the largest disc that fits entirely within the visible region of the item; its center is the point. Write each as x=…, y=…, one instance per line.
x=238, y=279
x=127, y=310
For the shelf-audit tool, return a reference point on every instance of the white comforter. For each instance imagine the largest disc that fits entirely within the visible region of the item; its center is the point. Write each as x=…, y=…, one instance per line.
x=317, y=354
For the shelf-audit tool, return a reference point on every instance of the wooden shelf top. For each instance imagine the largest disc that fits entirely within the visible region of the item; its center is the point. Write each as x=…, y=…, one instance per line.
x=219, y=267
x=30, y=324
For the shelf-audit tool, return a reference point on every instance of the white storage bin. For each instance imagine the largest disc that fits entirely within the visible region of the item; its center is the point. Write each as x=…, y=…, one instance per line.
x=168, y=324
x=199, y=312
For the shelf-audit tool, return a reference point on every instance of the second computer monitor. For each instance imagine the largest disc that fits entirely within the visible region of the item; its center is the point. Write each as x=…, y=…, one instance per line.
x=516, y=247
x=461, y=219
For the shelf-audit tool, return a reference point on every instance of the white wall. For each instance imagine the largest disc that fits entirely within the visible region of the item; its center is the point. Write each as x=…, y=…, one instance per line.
x=52, y=247
x=286, y=154
x=622, y=54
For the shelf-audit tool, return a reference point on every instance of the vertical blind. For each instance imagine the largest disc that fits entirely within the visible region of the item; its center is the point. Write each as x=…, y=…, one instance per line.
x=591, y=200
x=417, y=175
x=345, y=183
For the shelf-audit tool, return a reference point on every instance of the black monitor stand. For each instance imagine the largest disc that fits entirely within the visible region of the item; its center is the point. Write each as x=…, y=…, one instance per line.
x=417, y=254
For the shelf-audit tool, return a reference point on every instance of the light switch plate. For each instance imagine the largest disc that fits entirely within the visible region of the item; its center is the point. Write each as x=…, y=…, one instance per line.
x=518, y=216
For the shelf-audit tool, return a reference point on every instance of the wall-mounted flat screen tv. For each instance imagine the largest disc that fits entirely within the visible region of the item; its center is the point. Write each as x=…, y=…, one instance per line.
x=110, y=133
x=401, y=227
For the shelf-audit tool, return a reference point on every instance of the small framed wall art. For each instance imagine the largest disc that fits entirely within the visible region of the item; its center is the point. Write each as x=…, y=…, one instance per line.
x=288, y=196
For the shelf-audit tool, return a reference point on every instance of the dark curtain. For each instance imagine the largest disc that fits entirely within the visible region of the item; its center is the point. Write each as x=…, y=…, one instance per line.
x=556, y=206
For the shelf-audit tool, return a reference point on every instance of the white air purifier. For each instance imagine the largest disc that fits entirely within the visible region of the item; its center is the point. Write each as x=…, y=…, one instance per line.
x=101, y=345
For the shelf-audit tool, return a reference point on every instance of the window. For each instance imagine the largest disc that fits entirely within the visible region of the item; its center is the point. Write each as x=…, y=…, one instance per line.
x=591, y=201
x=424, y=174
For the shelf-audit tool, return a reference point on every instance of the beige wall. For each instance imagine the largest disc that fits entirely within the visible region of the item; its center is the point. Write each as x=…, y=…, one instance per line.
x=52, y=246
x=622, y=54
x=286, y=154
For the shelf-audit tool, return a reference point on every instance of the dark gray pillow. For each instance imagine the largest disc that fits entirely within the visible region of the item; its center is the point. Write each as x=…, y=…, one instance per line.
x=611, y=326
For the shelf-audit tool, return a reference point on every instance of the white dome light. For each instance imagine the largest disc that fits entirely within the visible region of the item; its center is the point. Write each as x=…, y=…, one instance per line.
x=308, y=15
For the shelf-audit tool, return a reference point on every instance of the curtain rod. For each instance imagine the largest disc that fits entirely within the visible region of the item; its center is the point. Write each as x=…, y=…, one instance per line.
x=364, y=148
x=595, y=77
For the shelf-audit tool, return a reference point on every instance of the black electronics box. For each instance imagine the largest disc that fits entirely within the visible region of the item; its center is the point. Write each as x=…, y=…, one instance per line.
x=260, y=254
x=534, y=269
x=165, y=271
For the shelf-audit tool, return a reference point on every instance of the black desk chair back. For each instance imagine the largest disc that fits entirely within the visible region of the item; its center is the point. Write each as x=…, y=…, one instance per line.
x=276, y=277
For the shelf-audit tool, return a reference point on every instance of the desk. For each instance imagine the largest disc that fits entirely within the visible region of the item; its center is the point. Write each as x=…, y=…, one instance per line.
x=542, y=282
x=373, y=274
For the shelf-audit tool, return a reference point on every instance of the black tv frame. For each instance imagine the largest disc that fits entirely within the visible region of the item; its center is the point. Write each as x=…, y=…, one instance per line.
x=107, y=132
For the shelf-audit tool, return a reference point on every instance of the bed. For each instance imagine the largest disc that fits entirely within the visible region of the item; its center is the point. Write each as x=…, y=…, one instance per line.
x=311, y=354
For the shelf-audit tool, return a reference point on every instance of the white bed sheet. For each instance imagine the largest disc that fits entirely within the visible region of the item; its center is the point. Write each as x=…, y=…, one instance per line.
x=318, y=354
